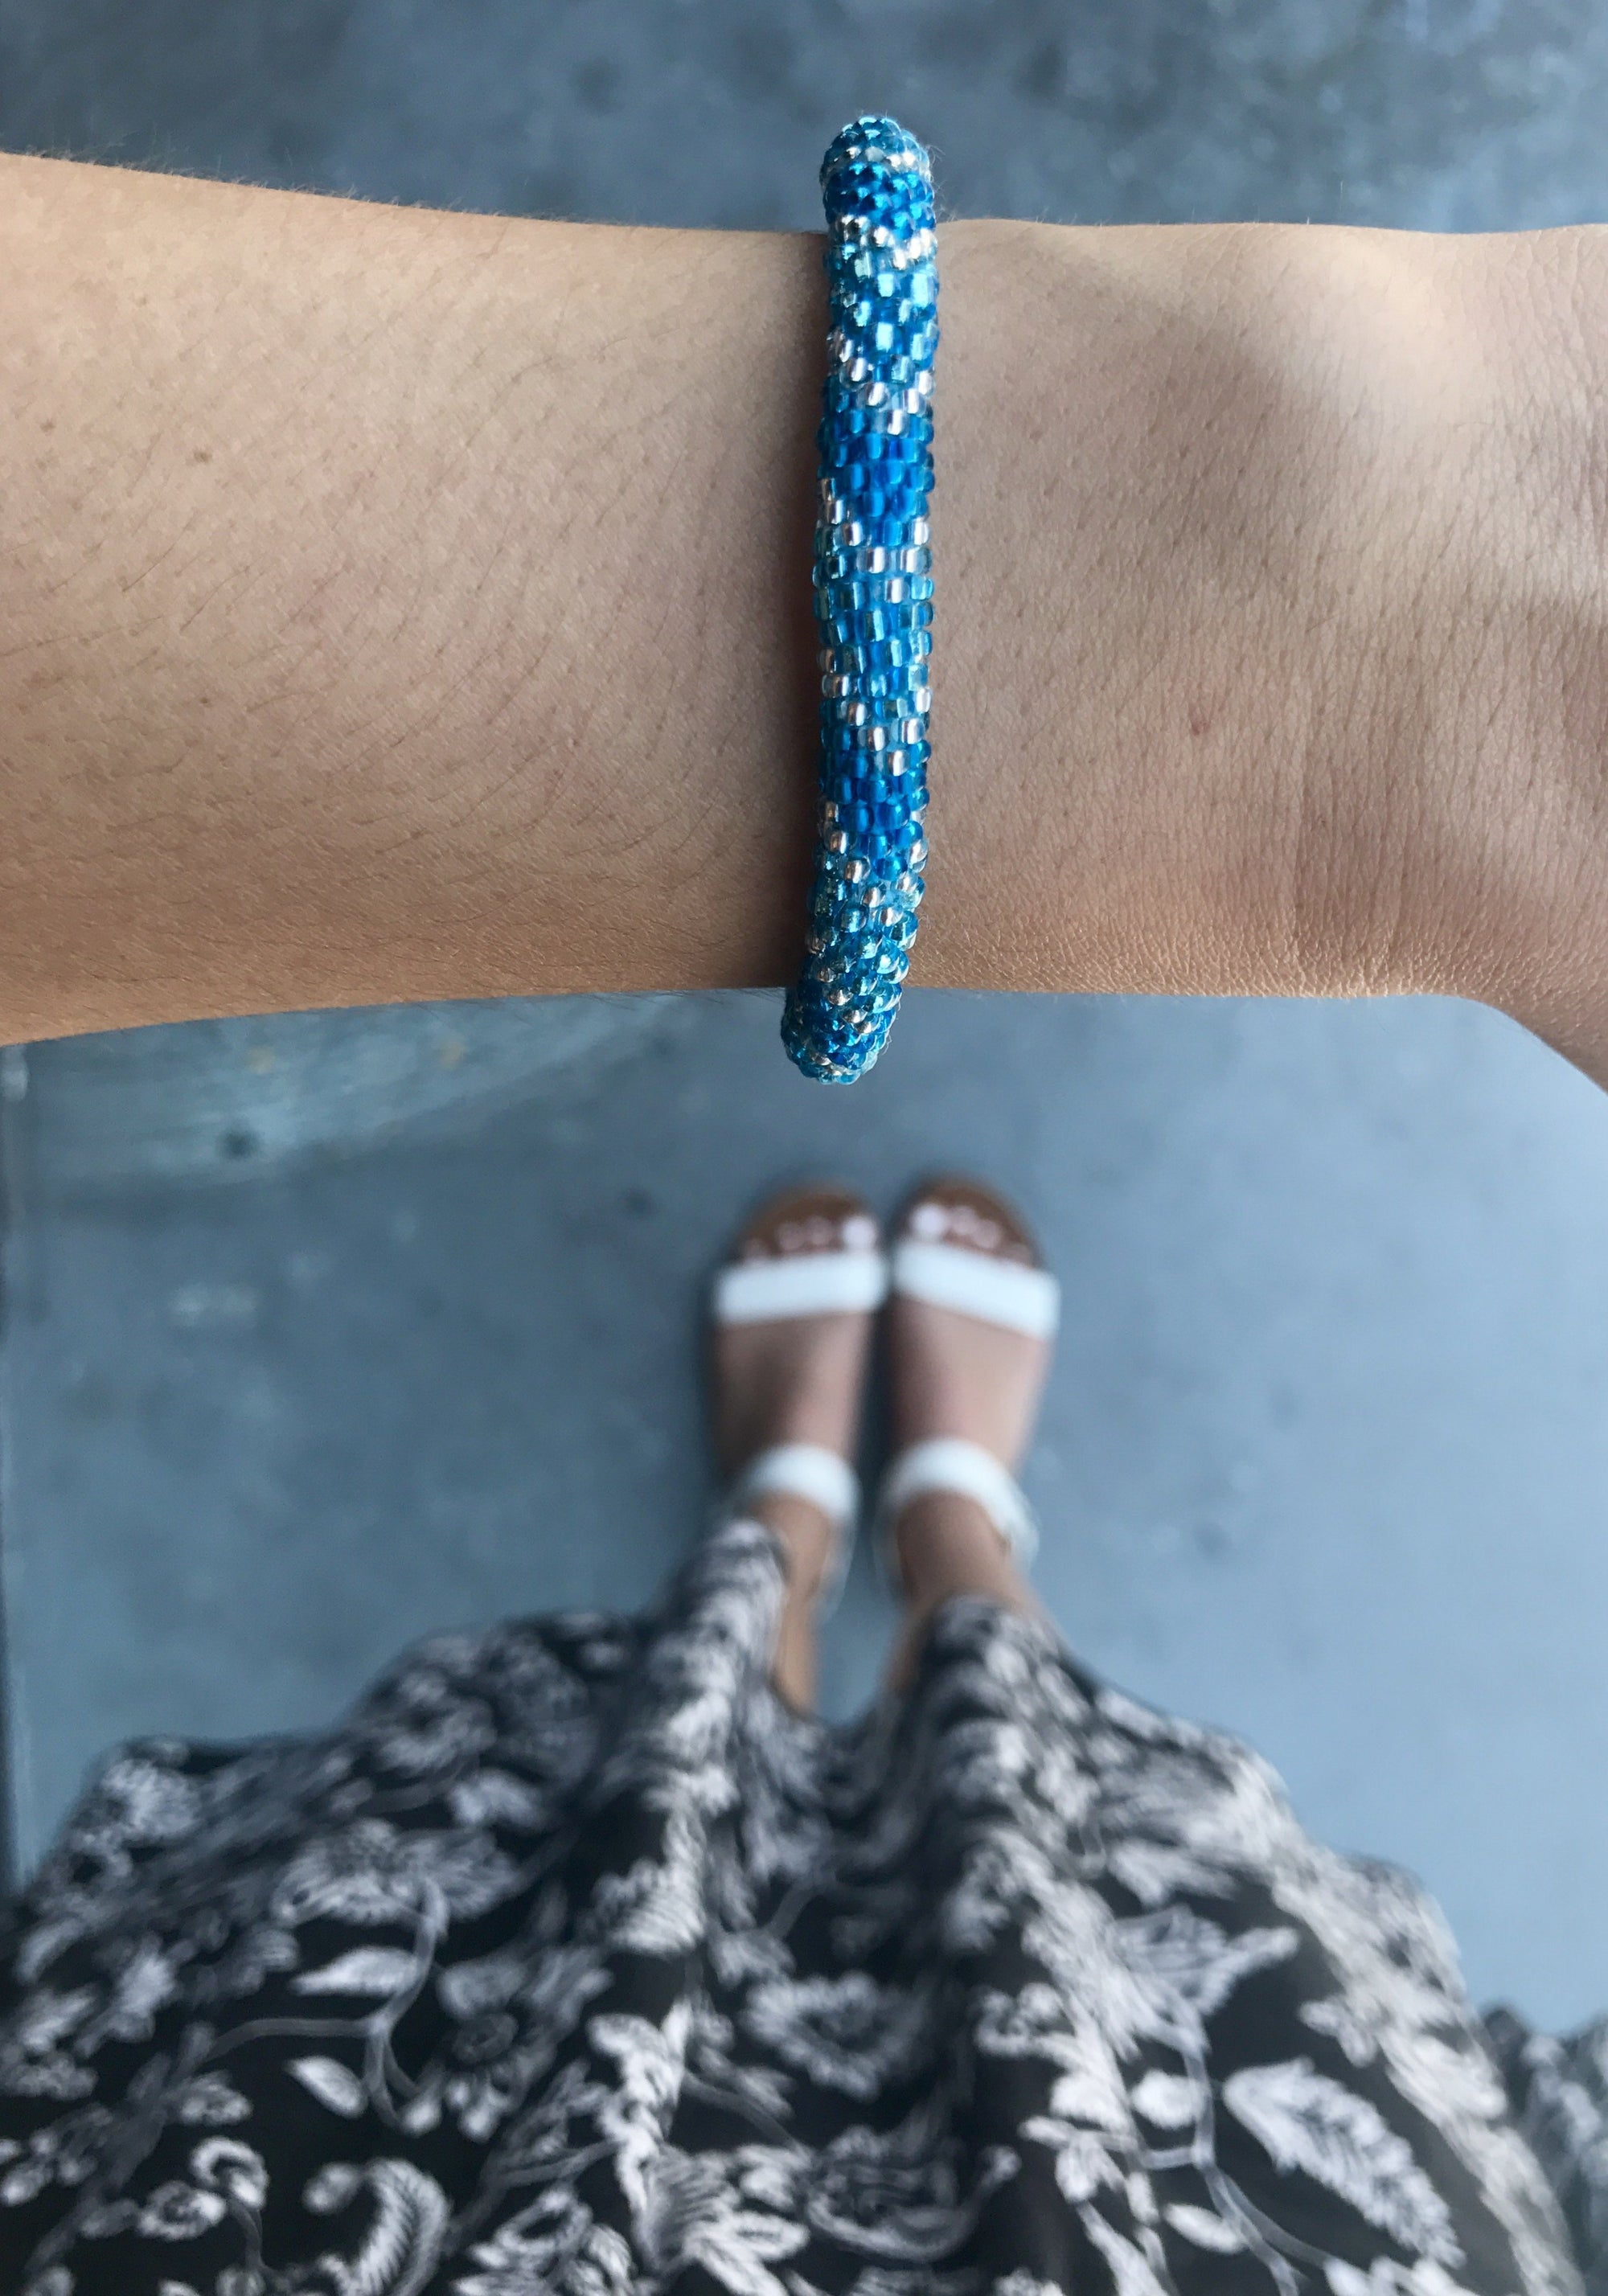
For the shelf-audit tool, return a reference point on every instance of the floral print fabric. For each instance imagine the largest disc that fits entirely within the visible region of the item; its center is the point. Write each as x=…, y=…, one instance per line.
x=1560, y=2095
x=574, y=1964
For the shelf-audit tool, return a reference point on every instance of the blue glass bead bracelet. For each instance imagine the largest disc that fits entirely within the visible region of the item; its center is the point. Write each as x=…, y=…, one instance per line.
x=872, y=598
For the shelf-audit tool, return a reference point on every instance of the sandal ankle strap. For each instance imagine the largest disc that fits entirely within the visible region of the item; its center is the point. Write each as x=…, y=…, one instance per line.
x=809, y=1472
x=949, y=1462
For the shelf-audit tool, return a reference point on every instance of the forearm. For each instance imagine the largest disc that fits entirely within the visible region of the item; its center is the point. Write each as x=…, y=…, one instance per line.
x=398, y=603
x=390, y=601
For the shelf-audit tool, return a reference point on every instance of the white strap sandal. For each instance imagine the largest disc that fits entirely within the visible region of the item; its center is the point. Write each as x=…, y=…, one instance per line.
x=849, y=1280
x=805, y=1470
x=971, y=1279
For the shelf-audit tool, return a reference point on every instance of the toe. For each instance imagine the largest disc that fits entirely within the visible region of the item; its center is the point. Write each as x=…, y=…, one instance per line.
x=953, y=1209
x=818, y=1217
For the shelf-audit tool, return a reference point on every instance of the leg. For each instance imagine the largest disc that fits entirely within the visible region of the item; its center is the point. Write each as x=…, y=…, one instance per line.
x=806, y=1541
x=955, y=1374
x=795, y=1379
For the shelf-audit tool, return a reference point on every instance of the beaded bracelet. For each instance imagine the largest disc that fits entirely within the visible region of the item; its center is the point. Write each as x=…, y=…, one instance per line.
x=873, y=597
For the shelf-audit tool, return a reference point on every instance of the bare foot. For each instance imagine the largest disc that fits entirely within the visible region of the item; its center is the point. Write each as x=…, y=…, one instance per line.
x=795, y=1379
x=955, y=1374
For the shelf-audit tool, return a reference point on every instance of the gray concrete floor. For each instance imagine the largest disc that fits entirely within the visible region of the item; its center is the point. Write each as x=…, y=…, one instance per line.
x=324, y=1332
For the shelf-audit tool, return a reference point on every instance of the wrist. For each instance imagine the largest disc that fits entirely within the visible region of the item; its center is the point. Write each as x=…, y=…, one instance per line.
x=1453, y=588
x=1234, y=651
x=1519, y=802
x=1132, y=721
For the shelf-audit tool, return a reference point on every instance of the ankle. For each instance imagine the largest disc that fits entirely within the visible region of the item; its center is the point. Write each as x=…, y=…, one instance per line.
x=946, y=1544
x=807, y=1538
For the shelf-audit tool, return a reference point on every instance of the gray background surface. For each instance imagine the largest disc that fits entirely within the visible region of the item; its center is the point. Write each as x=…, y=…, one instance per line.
x=323, y=1332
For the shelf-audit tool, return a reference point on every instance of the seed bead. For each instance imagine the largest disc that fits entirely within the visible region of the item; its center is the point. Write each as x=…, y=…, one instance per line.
x=873, y=597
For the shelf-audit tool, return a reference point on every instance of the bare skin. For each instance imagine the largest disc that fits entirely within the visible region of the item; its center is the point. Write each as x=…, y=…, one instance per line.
x=955, y=1374
x=952, y=1376
x=800, y=1378
x=403, y=604
x=796, y=1379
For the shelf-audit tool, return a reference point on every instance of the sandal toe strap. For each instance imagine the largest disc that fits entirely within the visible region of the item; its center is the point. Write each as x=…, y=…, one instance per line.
x=800, y=1283
x=978, y=1283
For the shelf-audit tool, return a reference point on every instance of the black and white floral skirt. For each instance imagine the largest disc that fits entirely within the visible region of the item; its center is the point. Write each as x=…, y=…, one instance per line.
x=575, y=1964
